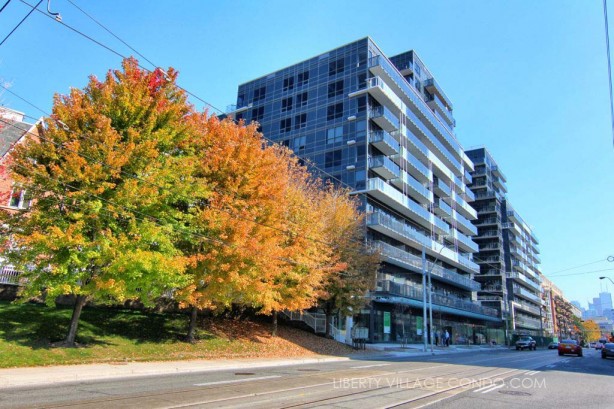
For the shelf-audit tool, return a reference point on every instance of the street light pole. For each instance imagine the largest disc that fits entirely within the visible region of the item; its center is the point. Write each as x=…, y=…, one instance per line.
x=428, y=329
x=601, y=278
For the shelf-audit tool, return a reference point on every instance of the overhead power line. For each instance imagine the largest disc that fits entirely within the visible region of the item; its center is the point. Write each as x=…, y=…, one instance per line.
x=22, y=20
x=307, y=162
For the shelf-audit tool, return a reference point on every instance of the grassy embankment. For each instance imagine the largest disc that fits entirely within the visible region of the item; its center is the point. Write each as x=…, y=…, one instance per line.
x=27, y=334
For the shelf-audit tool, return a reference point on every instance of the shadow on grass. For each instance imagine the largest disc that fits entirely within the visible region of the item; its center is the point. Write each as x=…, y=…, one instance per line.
x=39, y=326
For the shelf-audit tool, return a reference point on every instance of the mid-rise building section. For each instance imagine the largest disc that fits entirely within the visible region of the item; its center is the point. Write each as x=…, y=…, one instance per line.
x=508, y=253
x=523, y=274
x=385, y=127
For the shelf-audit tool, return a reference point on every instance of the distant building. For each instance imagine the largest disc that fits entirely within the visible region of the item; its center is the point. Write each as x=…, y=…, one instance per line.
x=13, y=129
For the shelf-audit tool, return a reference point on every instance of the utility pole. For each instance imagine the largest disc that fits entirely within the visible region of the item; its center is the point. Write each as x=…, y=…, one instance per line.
x=424, y=297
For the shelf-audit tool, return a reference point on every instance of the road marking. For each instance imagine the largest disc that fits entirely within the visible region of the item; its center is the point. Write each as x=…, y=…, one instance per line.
x=532, y=372
x=368, y=366
x=237, y=380
x=485, y=387
x=494, y=387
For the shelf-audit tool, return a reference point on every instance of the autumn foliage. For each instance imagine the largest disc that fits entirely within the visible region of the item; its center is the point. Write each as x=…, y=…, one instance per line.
x=136, y=195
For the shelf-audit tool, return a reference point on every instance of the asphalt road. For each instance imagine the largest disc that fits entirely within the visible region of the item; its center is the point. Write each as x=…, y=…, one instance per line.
x=498, y=379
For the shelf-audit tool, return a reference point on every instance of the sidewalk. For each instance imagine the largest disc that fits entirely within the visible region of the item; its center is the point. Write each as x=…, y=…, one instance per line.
x=46, y=375
x=418, y=349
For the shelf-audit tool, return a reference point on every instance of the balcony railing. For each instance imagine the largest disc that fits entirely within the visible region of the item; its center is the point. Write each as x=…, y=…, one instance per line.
x=415, y=293
x=8, y=275
x=379, y=218
x=406, y=205
x=384, y=142
x=412, y=95
x=385, y=166
x=415, y=263
x=384, y=118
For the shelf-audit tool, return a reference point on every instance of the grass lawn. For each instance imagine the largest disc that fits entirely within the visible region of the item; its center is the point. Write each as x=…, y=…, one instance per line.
x=28, y=331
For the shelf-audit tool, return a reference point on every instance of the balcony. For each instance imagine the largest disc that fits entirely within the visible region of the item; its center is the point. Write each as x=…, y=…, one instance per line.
x=438, y=106
x=392, y=227
x=384, y=142
x=465, y=242
x=488, y=221
x=380, y=66
x=390, y=196
x=521, y=305
x=514, y=275
x=413, y=188
x=413, y=166
x=488, y=209
x=491, y=247
x=442, y=189
x=414, y=292
x=432, y=86
x=403, y=259
x=442, y=209
x=469, y=195
x=416, y=126
x=385, y=167
x=382, y=93
x=490, y=260
x=527, y=323
x=521, y=292
x=384, y=118
x=464, y=225
x=462, y=207
x=495, y=170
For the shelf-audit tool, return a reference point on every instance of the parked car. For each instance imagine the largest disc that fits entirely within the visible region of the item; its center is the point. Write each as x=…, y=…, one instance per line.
x=601, y=343
x=553, y=345
x=570, y=346
x=607, y=350
x=526, y=342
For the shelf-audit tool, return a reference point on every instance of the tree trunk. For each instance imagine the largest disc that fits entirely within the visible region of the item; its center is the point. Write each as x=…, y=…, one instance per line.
x=192, y=326
x=329, y=315
x=274, y=331
x=74, y=321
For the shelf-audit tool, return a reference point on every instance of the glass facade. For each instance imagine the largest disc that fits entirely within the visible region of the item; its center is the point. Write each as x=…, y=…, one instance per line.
x=385, y=128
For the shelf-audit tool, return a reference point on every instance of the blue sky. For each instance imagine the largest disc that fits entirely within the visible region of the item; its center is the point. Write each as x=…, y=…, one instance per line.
x=527, y=79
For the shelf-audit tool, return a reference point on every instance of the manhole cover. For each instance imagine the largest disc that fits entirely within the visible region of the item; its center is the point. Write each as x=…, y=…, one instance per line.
x=515, y=393
x=244, y=373
x=309, y=370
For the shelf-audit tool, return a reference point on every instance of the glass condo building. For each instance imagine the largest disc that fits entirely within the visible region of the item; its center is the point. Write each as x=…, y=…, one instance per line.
x=384, y=126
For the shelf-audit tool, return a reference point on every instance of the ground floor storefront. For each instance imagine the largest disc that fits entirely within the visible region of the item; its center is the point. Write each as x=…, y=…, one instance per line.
x=398, y=323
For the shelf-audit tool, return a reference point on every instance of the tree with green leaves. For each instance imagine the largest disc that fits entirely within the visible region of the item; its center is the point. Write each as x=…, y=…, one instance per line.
x=106, y=203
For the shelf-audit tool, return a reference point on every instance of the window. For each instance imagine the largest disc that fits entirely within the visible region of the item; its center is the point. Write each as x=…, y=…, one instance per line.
x=286, y=104
x=288, y=83
x=259, y=93
x=257, y=114
x=301, y=99
x=18, y=199
x=300, y=121
x=334, y=111
x=361, y=103
x=239, y=116
x=362, y=80
x=240, y=100
x=335, y=88
x=334, y=135
x=303, y=78
x=298, y=144
x=335, y=67
x=332, y=159
x=285, y=125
